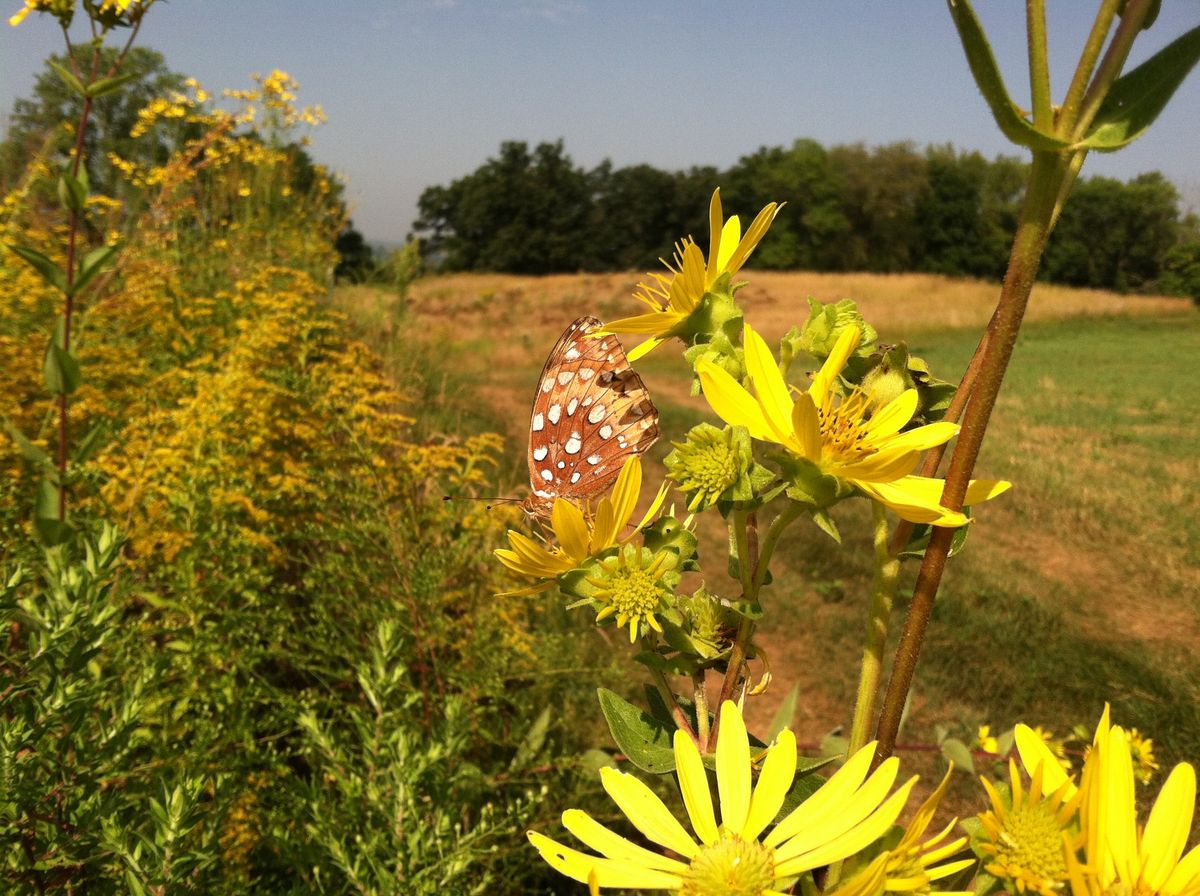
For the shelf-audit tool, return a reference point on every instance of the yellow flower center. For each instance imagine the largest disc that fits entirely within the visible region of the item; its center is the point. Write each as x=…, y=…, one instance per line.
x=713, y=470
x=730, y=867
x=1029, y=849
x=843, y=435
x=634, y=592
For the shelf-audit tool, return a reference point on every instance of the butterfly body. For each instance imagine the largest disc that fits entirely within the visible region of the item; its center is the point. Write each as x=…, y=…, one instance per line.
x=591, y=413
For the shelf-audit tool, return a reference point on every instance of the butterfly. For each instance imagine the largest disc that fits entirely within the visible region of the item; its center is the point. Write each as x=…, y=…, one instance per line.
x=591, y=413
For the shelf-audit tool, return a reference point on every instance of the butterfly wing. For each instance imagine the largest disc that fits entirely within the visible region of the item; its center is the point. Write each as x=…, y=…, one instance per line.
x=591, y=412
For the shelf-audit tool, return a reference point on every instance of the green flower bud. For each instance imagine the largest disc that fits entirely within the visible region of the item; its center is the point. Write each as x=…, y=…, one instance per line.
x=715, y=465
x=708, y=621
x=825, y=324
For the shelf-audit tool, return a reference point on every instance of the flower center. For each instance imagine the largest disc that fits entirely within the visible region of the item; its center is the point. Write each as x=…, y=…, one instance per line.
x=730, y=867
x=713, y=470
x=843, y=435
x=1029, y=849
x=634, y=591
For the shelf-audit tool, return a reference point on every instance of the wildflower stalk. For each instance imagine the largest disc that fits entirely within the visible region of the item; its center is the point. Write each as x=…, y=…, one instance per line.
x=744, y=533
x=1050, y=178
x=883, y=593
x=700, y=697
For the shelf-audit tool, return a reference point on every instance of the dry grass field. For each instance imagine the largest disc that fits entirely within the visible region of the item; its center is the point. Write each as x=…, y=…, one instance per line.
x=1082, y=584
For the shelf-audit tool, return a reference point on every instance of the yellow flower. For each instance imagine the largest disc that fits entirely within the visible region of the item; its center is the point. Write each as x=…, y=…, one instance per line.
x=673, y=299
x=986, y=742
x=30, y=6
x=1141, y=750
x=578, y=532
x=850, y=812
x=1121, y=856
x=912, y=865
x=850, y=438
x=1029, y=838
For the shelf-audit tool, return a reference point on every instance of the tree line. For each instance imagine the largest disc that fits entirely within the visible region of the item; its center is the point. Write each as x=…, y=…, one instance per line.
x=889, y=208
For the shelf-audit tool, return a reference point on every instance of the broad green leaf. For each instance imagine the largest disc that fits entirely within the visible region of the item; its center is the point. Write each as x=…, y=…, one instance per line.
x=31, y=452
x=91, y=266
x=1137, y=97
x=68, y=77
x=918, y=542
x=956, y=751
x=108, y=85
x=72, y=192
x=987, y=76
x=61, y=370
x=642, y=738
x=50, y=272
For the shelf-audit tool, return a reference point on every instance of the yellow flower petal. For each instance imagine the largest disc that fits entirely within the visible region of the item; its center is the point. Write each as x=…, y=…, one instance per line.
x=768, y=385
x=733, y=768
x=731, y=402
x=647, y=812
x=778, y=772
x=806, y=424
x=731, y=235
x=693, y=785
x=1034, y=753
x=715, y=229
x=611, y=844
x=1168, y=827
x=831, y=794
x=916, y=499
x=1122, y=815
x=842, y=350
x=889, y=419
x=644, y=349
x=608, y=872
x=651, y=324
x=980, y=490
x=758, y=229
x=570, y=528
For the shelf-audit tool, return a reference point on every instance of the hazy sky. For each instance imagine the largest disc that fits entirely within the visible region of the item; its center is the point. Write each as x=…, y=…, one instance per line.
x=419, y=92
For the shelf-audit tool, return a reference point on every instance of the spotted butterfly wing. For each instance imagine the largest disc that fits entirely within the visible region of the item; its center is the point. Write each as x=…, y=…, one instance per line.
x=591, y=412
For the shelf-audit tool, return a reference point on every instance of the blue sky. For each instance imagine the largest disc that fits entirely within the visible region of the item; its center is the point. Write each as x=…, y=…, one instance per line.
x=419, y=92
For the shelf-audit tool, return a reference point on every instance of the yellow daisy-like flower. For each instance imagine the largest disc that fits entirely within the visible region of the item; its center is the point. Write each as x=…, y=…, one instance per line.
x=579, y=533
x=731, y=857
x=912, y=866
x=1030, y=837
x=631, y=587
x=1121, y=856
x=1141, y=750
x=985, y=740
x=850, y=439
x=672, y=299
x=30, y=6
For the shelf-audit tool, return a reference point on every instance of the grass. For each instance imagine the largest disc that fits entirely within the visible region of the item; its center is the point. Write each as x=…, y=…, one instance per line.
x=1079, y=586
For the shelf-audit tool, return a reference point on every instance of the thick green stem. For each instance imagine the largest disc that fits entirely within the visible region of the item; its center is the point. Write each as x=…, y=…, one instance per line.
x=1046, y=177
x=744, y=534
x=774, y=531
x=1110, y=66
x=664, y=689
x=883, y=593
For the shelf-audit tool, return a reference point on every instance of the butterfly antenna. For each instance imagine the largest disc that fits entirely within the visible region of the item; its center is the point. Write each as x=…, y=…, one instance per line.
x=492, y=502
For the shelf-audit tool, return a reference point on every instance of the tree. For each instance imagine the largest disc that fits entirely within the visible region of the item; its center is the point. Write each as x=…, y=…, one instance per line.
x=521, y=212
x=956, y=238
x=883, y=186
x=36, y=123
x=356, y=259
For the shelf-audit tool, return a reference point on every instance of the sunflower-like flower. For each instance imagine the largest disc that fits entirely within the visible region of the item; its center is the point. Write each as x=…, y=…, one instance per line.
x=673, y=299
x=1122, y=856
x=731, y=856
x=1028, y=839
x=579, y=533
x=850, y=439
x=914, y=864
x=634, y=585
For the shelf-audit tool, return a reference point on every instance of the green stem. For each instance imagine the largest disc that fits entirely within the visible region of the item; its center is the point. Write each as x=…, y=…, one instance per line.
x=664, y=689
x=1039, y=67
x=1068, y=114
x=744, y=536
x=883, y=593
x=1110, y=67
x=774, y=531
x=1041, y=199
x=700, y=698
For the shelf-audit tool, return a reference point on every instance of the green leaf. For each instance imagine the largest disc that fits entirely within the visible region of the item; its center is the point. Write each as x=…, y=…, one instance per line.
x=87, y=446
x=30, y=451
x=72, y=192
x=958, y=753
x=68, y=77
x=50, y=272
x=91, y=265
x=784, y=714
x=50, y=527
x=108, y=85
x=61, y=370
x=918, y=542
x=987, y=76
x=1135, y=99
x=532, y=742
x=642, y=738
